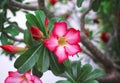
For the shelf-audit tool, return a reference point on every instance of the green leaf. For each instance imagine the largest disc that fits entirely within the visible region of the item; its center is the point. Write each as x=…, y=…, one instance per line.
x=27, y=60
x=40, y=16
x=3, y=3
x=85, y=70
x=79, y=3
x=96, y=5
x=27, y=38
x=63, y=81
x=91, y=81
x=4, y=39
x=43, y=62
x=95, y=74
x=1, y=20
x=12, y=30
x=36, y=72
x=31, y=19
x=55, y=67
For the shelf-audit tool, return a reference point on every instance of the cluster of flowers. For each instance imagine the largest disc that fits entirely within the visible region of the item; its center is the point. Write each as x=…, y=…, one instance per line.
x=62, y=42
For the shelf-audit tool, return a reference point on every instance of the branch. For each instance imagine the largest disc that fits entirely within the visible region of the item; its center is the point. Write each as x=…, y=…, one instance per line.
x=104, y=59
x=32, y=8
x=108, y=64
x=82, y=22
x=12, y=38
x=23, y=6
x=41, y=6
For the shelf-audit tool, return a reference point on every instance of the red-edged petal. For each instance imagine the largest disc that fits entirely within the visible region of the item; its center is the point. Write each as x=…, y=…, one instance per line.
x=73, y=49
x=60, y=29
x=73, y=36
x=13, y=80
x=14, y=74
x=61, y=54
x=36, y=79
x=51, y=43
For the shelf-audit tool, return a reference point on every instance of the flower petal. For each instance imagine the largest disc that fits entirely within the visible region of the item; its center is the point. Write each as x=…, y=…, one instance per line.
x=73, y=36
x=73, y=49
x=61, y=54
x=36, y=79
x=13, y=80
x=60, y=29
x=51, y=43
x=14, y=74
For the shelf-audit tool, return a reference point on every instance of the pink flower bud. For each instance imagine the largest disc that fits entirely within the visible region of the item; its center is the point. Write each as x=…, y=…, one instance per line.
x=13, y=49
x=36, y=33
x=46, y=22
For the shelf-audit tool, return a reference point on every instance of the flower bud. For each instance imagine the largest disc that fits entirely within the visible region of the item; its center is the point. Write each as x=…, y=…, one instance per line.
x=36, y=33
x=105, y=37
x=13, y=49
x=46, y=22
x=52, y=2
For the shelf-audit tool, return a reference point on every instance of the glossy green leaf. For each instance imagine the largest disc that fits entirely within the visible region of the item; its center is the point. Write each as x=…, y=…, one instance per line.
x=2, y=3
x=31, y=19
x=36, y=72
x=96, y=5
x=95, y=74
x=40, y=16
x=79, y=3
x=55, y=67
x=43, y=62
x=85, y=70
x=63, y=81
x=12, y=30
x=4, y=39
x=91, y=81
x=27, y=60
x=27, y=38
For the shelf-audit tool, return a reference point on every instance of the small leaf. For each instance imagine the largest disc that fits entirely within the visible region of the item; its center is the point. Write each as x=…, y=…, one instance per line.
x=96, y=5
x=63, y=81
x=91, y=81
x=55, y=67
x=27, y=60
x=43, y=62
x=95, y=74
x=86, y=69
x=36, y=72
x=79, y=3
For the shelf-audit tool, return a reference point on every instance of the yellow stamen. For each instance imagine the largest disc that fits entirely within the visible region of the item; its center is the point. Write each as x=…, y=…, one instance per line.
x=62, y=41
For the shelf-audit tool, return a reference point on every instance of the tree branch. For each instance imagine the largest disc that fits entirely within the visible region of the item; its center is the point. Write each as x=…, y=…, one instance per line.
x=12, y=38
x=23, y=6
x=104, y=59
x=82, y=22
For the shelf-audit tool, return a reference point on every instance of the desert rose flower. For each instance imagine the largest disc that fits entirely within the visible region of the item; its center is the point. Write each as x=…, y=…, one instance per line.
x=13, y=49
x=63, y=42
x=46, y=22
x=36, y=33
x=16, y=77
x=53, y=2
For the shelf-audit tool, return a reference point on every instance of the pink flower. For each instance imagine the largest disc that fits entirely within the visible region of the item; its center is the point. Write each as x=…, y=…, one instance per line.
x=13, y=49
x=36, y=33
x=63, y=42
x=15, y=77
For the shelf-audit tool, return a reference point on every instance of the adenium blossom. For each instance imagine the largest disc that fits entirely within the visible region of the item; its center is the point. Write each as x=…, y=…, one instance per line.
x=13, y=49
x=16, y=77
x=36, y=33
x=63, y=42
x=46, y=22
